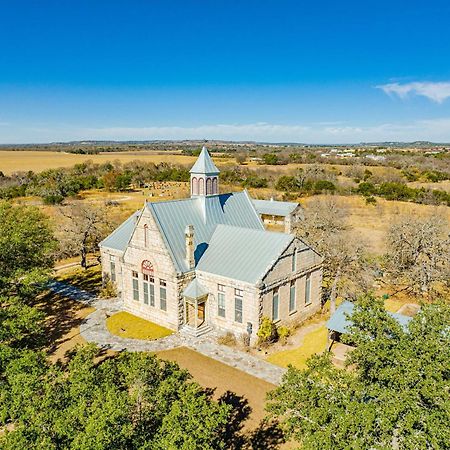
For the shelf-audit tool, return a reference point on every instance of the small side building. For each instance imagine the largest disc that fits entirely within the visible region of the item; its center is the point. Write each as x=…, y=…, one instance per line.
x=274, y=212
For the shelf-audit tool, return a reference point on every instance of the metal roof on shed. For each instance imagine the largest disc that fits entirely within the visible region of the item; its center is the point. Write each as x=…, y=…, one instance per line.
x=204, y=213
x=341, y=323
x=119, y=238
x=274, y=207
x=242, y=253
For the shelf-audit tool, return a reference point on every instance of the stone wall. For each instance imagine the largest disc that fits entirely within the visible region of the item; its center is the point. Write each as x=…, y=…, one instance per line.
x=281, y=276
x=250, y=304
x=152, y=248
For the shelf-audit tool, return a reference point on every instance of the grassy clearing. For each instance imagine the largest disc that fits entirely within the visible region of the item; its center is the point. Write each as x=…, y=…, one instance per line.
x=126, y=325
x=43, y=160
x=370, y=223
x=313, y=342
x=89, y=280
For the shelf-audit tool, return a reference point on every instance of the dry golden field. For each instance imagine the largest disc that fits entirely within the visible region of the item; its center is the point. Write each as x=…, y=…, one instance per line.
x=372, y=222
x=41, y=160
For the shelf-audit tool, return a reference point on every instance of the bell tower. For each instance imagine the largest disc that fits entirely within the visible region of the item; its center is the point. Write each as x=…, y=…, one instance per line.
x=204, y=176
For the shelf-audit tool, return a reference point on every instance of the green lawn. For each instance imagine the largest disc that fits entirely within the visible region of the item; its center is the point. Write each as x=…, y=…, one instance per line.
x=126, y=325
x=314, y=342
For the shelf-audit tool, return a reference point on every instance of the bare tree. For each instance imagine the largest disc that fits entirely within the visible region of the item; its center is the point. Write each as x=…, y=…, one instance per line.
x=418, y=254
x=345, y=268
x=83, y=227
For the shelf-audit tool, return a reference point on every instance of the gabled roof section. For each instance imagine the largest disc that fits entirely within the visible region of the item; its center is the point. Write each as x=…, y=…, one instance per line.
x=243, y=254
x=195, y=290
x=274, y=207
x=172, y=217
x=204, y=164
x=340, y=320
x=119, y=238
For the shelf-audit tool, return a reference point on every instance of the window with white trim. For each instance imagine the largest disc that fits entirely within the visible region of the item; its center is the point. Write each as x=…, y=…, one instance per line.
x=292, y=302
x=112, y=267
x=163, y=295
x=135, y=281
x=221, y=300
x=308, y=289
x=149, y=290
x=238, y=294
x=275, y=305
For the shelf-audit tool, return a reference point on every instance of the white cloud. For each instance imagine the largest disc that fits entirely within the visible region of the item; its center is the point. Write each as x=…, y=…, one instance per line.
x=437, y=92
x=434, y=130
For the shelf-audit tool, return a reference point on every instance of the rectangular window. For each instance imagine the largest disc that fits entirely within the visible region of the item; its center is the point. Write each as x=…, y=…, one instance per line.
x=308, y=289
x=292, y=297
x=135, y=286
x=221, y=304
x=294, y=261
x=163, y=295
x=238, y=309
x=149, y=290
x=275, y=304
x=113, y=270
x=238, y=292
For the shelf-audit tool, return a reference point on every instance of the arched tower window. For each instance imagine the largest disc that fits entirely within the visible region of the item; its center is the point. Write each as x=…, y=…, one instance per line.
x=208, y=186
x=214, y=186
x=201, y=186
x=194, y=186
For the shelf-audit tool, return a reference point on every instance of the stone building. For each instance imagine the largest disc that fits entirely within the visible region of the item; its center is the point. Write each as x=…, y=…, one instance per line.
x=207, y=262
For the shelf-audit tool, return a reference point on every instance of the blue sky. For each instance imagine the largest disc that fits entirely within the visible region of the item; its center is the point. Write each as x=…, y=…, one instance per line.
x=278, y=70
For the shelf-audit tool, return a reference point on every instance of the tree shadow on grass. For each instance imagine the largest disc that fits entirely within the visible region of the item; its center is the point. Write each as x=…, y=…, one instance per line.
x=267, y=435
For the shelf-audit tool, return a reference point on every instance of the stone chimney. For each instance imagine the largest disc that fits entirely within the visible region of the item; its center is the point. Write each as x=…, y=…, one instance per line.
x=189, y=236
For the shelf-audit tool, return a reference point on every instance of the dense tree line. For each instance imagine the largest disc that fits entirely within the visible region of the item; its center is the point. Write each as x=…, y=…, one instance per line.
x=393, y=396
x=55, y=185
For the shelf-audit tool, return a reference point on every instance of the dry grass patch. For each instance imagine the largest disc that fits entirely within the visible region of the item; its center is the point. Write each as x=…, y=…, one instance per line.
x=126, y=325
x=313, y=342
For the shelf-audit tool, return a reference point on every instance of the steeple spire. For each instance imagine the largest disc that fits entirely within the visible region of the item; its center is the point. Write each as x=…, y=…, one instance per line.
x=204, y=176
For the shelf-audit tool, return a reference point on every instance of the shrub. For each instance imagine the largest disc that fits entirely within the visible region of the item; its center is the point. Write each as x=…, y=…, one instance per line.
x=371, y=200
x=108, y=290
x=267, y=332
x=287, y=183
x=283, y=333
x=227, y=339
x=324, y=185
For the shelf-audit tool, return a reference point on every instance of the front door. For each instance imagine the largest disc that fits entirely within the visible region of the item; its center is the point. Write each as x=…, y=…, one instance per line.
x=201, y=313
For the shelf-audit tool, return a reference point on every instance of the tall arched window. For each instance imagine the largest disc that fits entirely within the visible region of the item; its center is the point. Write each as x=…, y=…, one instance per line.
x=214, y=186
x=194, y=186
x=208, y=186
x=201, y=186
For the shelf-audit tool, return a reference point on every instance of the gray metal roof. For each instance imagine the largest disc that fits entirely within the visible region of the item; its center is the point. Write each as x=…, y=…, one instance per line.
x=274, y=207
x=204, y=213
x=242, y=253
x=119, y=238
x=204, y=164
x=195, y=290
x=340, y=322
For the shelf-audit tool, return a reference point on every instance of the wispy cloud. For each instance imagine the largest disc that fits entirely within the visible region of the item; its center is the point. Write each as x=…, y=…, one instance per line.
x=433, y=129
x=437, y=92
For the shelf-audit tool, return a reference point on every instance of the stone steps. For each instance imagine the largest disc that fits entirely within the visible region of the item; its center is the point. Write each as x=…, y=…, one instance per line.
x=186, y=330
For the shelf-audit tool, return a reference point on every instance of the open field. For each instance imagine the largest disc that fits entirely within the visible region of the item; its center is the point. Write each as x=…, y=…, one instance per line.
x=372, y=222
x=38, y=161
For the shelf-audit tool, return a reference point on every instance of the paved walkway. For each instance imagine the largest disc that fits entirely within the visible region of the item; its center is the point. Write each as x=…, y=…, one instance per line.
x=93, y=329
